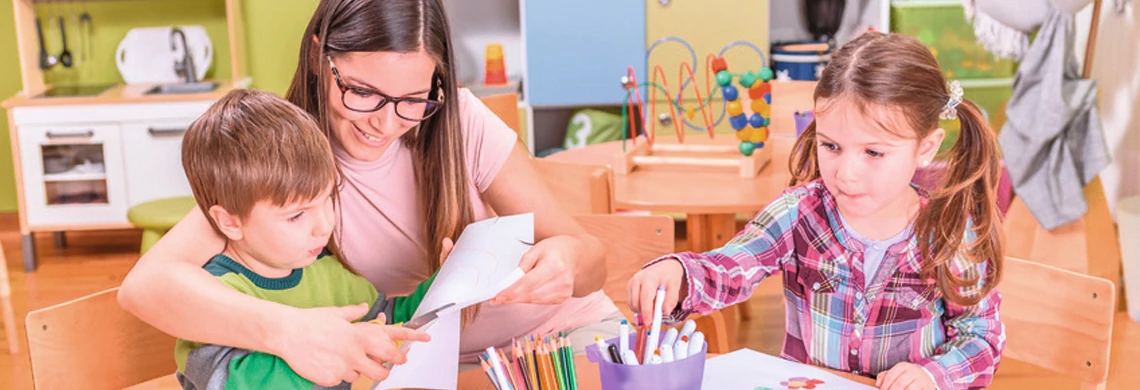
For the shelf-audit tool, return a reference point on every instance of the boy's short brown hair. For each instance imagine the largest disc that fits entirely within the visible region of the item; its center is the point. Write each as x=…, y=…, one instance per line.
x=251, y=146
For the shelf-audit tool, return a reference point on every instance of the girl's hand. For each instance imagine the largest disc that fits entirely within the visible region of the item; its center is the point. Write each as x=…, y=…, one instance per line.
x=324, y=346
x=905, y=376
x=643, y=288
x=549, y=266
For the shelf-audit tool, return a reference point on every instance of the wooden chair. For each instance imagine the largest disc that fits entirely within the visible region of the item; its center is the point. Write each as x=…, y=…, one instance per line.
x=6, y=306
x=630, y=241
x=506, y=107
x=1058, y=319
x=580, y=188
x=92, y=343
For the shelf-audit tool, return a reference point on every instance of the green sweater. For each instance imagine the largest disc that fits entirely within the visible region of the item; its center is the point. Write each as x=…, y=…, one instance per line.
x=324, y=283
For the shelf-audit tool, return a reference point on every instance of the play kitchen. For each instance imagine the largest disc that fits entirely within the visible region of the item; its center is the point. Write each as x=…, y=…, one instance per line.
x=85, y=152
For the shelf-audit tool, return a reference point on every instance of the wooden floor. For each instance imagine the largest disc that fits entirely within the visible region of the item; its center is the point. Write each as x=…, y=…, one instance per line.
x=94, y=261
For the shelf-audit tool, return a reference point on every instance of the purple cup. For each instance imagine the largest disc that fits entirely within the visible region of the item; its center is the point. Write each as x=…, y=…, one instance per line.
x=687, y=373
x=803, y=119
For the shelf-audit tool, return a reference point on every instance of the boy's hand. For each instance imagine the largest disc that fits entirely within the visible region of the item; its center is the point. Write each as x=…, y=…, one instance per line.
x=643, y=287
x=905, y=376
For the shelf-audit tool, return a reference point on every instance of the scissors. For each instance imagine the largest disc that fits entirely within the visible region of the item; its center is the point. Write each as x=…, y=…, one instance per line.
x=426, y=318
x=417, y=323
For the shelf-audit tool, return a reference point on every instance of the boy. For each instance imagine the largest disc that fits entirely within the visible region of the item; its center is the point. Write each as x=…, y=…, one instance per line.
x=264, y=175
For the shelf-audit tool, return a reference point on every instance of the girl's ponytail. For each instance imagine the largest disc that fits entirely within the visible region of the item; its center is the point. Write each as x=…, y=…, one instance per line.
x=964, y=201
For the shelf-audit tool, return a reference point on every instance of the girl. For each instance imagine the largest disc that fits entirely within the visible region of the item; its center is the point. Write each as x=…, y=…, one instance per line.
x=420, y=159
x=881, y=278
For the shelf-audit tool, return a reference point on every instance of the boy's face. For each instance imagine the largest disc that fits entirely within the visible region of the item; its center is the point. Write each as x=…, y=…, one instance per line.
x=274, y=240
x=867, y=168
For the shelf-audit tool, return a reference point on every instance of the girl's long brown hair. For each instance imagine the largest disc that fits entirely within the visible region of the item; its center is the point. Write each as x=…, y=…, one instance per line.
x=899, y=73
x=402, y=26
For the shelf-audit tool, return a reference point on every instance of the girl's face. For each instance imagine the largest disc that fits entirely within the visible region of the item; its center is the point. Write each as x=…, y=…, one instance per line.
x=366, y=76
x=866, y=167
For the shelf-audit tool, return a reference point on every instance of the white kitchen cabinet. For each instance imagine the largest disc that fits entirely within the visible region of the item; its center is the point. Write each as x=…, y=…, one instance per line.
x=73, y=174
x=82, y=166
x=152, y=152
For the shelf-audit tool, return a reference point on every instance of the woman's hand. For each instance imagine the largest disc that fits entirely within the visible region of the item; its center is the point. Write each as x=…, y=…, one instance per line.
x=549, y=266
x=324, y=346
x=642, y=287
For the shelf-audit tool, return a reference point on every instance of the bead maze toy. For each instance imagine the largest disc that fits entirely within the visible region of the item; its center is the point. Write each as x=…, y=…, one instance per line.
x=750, y=128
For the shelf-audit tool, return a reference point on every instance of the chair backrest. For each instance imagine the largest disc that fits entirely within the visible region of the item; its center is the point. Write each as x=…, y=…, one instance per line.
x=580, y=188
x=506, y=107
x=1057, y=319
x=631, y=241
x=92, y=343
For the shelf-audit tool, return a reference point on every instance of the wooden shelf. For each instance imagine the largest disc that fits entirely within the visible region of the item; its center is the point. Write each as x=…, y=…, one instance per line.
x=72, y=176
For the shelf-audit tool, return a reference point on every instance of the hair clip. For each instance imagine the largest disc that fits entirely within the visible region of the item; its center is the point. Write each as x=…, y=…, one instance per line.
x=950, y=111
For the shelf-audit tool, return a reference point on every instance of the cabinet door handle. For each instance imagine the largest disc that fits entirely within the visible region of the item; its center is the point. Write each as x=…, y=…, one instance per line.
x=82, y=134
x=158, y=131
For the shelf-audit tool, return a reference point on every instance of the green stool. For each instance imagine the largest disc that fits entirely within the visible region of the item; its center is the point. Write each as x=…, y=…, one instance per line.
x=157, y=216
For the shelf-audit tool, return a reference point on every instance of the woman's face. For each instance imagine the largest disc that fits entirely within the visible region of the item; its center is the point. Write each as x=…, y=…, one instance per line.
x=366, y=135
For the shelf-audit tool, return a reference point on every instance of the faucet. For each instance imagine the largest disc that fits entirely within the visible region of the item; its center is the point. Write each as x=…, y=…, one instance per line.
x=183, y=67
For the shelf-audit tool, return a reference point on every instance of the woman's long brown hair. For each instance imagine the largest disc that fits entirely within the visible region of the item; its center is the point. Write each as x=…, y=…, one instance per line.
x=402, y=26
x=899, y=73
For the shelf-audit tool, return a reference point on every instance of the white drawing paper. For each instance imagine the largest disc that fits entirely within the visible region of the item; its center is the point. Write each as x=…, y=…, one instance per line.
x=749, y=369
x=484, y=262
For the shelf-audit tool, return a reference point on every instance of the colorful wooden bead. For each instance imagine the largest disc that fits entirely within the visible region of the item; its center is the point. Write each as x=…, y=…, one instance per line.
x=730, y=93
x=746, y=148
x=758, y=145
x=767, y=121
x=768, y=98
x=761, y=107
x=759, y=135
x=747, y=79
x=766, y=73
x=738, y=122
x=734, y=108
x=756, y=120
x=690, y=111
x=723, y=78
x=719, y=64
x=756, y=92
x=744, y=134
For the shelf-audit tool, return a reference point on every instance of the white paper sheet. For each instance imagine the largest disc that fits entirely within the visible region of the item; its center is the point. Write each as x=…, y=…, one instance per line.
x=483, y=262
x=752, y=370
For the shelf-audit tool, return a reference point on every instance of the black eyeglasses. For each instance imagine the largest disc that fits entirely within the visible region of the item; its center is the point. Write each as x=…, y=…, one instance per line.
x=369, y=100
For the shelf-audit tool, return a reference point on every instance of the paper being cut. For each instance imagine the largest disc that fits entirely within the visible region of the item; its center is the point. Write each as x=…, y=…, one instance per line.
x=484, y=262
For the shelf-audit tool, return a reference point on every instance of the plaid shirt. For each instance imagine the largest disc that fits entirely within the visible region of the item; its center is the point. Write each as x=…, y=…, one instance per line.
x=832, y=321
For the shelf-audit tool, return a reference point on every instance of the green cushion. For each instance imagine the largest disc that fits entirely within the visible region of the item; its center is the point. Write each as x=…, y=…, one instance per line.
x=160, y=214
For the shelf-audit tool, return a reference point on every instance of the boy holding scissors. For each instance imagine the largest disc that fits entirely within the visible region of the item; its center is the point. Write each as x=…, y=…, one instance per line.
x=264, y=175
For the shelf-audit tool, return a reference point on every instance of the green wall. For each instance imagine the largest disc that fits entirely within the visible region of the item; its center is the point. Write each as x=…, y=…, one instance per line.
x=9, y=85
x=273, y=29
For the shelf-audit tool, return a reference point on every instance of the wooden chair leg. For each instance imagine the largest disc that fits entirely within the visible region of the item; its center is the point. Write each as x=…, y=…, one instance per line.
x=6, y=307
x=10, y=325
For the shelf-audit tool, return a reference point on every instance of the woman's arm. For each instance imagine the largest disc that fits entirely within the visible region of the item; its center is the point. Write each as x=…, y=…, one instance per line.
x=168, y=289
x=565, y=261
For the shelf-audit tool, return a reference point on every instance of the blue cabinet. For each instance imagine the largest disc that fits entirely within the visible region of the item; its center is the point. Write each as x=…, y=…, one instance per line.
x=577, y=51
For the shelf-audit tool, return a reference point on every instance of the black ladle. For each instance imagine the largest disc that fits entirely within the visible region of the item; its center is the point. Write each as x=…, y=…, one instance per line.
x=65, y=56
x=46, y=60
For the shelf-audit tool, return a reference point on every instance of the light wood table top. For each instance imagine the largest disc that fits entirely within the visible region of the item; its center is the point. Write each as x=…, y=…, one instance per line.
x=691, y=190
x=588, y=378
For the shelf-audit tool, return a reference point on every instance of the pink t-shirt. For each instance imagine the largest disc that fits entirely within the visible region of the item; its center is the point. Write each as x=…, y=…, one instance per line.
x=383, y=234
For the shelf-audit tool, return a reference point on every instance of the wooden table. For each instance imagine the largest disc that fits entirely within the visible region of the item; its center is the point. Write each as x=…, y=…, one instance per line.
x=588, y=378
x=710, y=198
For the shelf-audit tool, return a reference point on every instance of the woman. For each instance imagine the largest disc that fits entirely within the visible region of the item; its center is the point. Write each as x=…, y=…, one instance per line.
x=421, y=159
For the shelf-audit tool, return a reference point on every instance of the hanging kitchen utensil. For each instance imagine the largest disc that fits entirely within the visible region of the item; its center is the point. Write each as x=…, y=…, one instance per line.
x=65, y=55
x=46, y=60
x=86, y=34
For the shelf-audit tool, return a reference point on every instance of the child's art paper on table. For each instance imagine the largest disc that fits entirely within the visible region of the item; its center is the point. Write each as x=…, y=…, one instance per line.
x=484, y=262
x=748, y=369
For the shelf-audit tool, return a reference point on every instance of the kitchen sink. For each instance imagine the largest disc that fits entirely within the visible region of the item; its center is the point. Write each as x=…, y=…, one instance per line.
x=181, y=88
